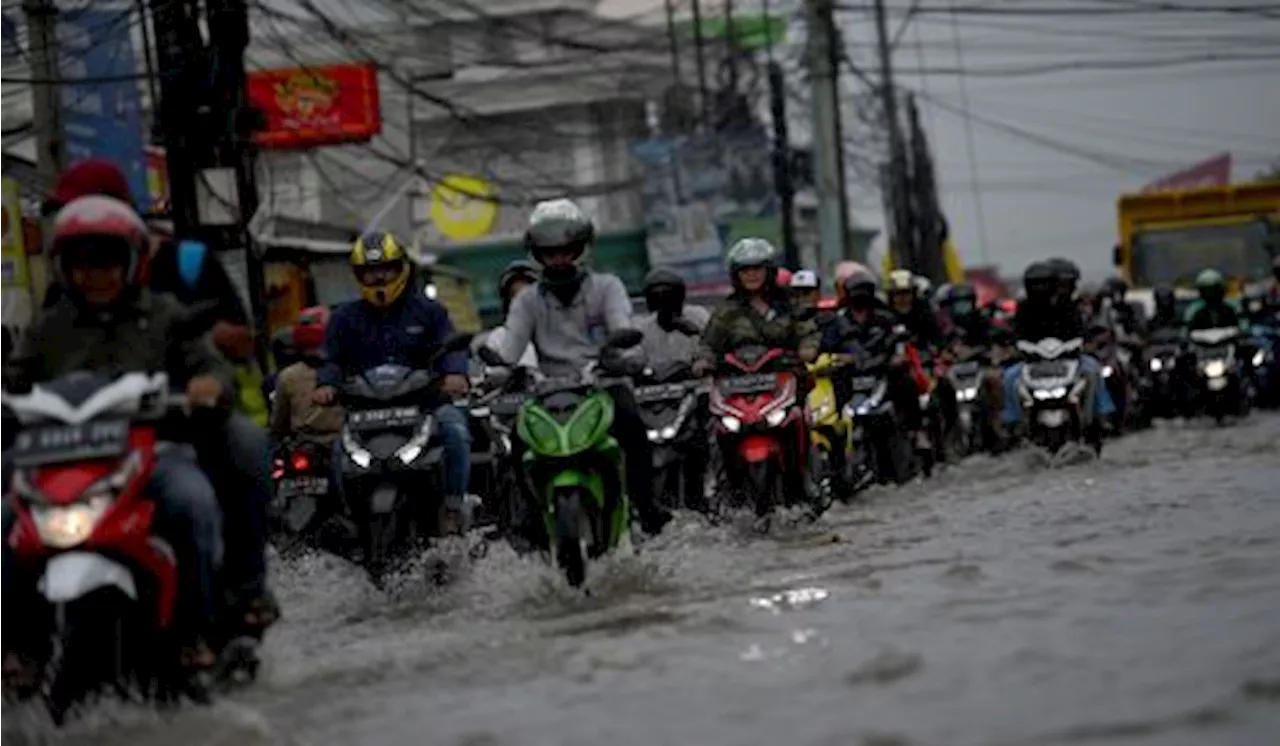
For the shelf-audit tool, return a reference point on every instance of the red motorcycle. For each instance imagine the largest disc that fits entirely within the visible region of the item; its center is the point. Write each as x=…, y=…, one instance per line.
x=758, y=413
x=105, y=584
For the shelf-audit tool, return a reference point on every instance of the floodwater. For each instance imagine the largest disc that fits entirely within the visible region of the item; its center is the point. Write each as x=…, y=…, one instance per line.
x=1135, y=600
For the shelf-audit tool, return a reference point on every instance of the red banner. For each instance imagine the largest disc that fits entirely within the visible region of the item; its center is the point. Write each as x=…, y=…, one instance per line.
x=325, y=105
x=1213, y=172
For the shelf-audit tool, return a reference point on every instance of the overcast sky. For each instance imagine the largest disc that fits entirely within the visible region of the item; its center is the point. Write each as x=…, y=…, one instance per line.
x=1099, y=133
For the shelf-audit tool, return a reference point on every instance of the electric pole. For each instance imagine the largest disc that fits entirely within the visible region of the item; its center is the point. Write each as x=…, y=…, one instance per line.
x=179, y=52
x=46, y=114
x=782, y=164
x=827, y=150
x=700, y=57
x=900, y=239
x=228, y=39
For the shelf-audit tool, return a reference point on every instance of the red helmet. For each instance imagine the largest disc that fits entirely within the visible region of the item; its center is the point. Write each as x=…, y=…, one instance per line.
x=308, y=333
x=100, y=227
x=784, y=277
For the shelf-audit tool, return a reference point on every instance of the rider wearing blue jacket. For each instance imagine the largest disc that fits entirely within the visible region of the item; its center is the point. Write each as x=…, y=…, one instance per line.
x=391, y=324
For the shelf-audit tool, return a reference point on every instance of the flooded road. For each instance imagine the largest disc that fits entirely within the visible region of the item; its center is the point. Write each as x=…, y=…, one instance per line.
x=1135, y=600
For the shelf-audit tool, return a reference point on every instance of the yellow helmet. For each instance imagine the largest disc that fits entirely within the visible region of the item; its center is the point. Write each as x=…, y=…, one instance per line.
x=381, y=266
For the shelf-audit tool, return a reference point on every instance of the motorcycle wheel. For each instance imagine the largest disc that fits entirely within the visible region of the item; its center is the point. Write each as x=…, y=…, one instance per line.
x=570, y=557
x=90, y=652
x=761, y=485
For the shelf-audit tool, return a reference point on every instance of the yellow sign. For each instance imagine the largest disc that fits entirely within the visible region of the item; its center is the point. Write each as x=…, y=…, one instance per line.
x=463, y=208
x=14, y=254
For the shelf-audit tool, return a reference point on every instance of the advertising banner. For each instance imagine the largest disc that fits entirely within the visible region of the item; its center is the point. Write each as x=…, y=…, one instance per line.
x=1215, y=171
x=101, y=104
x=324, y=105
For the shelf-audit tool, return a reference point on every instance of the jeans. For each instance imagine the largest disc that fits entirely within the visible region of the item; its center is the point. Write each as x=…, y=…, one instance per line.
x=238, y=462
x=454, y=431
x=187, y=516
x=1103, y=406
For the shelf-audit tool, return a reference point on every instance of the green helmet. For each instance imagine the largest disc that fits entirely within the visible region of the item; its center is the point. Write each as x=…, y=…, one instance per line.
x=1209, y=278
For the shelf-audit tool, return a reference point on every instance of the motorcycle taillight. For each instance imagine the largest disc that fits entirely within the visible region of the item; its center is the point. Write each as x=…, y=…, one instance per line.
x=300, y=461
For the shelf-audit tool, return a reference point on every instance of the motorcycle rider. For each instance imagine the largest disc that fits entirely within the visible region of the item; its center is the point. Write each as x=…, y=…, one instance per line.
x=1050, y=310
x=866, y=324
x=567, y=316
x=759, y=312
x=236, y=454
x=107, y=321
x=672, y=331
x=1273, y=292
x=664, y=340
x=903, y=294
x=389, y=324
x=293, y=410
x=519, y=275
x=1166, y=314
x=1212, y=310
x=1118, y=312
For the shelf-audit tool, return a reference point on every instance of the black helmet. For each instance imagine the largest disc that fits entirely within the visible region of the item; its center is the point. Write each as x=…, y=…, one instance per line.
x=962, y=300
x=664, y=290
x=1115, y=287
x=1039, y=278
x=519, y=269
x=1165, y=299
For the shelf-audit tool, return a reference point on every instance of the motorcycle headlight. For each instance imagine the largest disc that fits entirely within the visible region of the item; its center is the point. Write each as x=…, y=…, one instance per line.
x=731, y=423
x=410, y=451
x=358, y=454
x=63, y=527
x=1215, y=369
x=967, y=394
x=1259, y=358
x=1107, y=370
x=1156, y=365
x=776, y=417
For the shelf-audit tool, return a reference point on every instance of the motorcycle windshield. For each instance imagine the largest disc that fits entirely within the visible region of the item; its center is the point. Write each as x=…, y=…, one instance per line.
x=386, y=383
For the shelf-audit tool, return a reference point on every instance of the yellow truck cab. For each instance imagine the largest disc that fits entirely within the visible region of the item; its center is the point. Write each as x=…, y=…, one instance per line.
x=1167, y=238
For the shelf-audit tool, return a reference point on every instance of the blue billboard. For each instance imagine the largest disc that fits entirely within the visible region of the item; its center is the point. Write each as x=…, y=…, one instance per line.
x=101, y=105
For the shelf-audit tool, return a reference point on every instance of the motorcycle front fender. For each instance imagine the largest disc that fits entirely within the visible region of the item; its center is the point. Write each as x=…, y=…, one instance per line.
x=757, y=448
x=383, y=499
x=71, y=575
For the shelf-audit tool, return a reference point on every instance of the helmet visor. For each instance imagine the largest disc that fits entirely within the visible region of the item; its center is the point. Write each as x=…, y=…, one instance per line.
x=382, y=273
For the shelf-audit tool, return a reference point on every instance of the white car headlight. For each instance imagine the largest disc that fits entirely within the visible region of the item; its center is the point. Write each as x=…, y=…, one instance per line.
x=63, y=527
x=776, y=417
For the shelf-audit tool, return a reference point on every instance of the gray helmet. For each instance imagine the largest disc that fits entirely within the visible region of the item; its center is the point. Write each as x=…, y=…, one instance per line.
x=752, y=252
x=558, y=223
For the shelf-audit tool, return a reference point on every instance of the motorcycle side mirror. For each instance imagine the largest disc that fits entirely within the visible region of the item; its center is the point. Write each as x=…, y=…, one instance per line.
x=624, y=339
x=490, y=356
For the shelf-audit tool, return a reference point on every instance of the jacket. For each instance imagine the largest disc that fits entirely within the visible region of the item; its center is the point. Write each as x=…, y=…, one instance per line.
x=923, y=326
x=294, y=413
x=872, y=334
x=142, y=334
x=408, y=332
x=735, y=323
x=566, y=335
x=1201, y=315
x=662, y=345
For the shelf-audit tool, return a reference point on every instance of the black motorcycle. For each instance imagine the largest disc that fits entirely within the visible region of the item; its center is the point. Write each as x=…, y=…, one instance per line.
x=392, y=466
x=1053, y=393
x=1160, y=390
x=970, y=433
x=671, y=402
x=1221, y=386
x=497, y=394
x=882, y=451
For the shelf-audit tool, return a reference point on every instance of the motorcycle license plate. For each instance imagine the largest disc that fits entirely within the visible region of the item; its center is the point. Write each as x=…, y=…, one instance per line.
x=290, y=486
x=661, y=392
x=1049, y=369
x=1053, y=418
x=46, y=444
x=864, y=383
x=388, y=417
x=755, y=383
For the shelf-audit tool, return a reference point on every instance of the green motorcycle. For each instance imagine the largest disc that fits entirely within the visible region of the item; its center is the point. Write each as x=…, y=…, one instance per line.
x=574, y=465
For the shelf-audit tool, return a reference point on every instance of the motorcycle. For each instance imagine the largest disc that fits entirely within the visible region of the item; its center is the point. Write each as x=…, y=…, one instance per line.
x=1266, y=364
x=1159, y=386
x=497, y=394
x=1222, y=385
x=573, y=463
x=84, y=452
x=393, y=463
x=882, y=449
x=756, y=409
x=1053, y=392
x=304, y=499
x=669, y=396
x=830, y=430
x=971, y=433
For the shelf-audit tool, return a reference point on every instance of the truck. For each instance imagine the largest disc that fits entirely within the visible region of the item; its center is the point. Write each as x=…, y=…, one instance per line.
x=1168, y=237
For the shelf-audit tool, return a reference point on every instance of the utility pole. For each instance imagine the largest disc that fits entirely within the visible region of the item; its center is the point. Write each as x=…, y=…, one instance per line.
x=827, y=152
x=900, y=240
x=782, y=164
x=229, y=38
x=179, y=51
x=700, y=56
x=46, y=109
